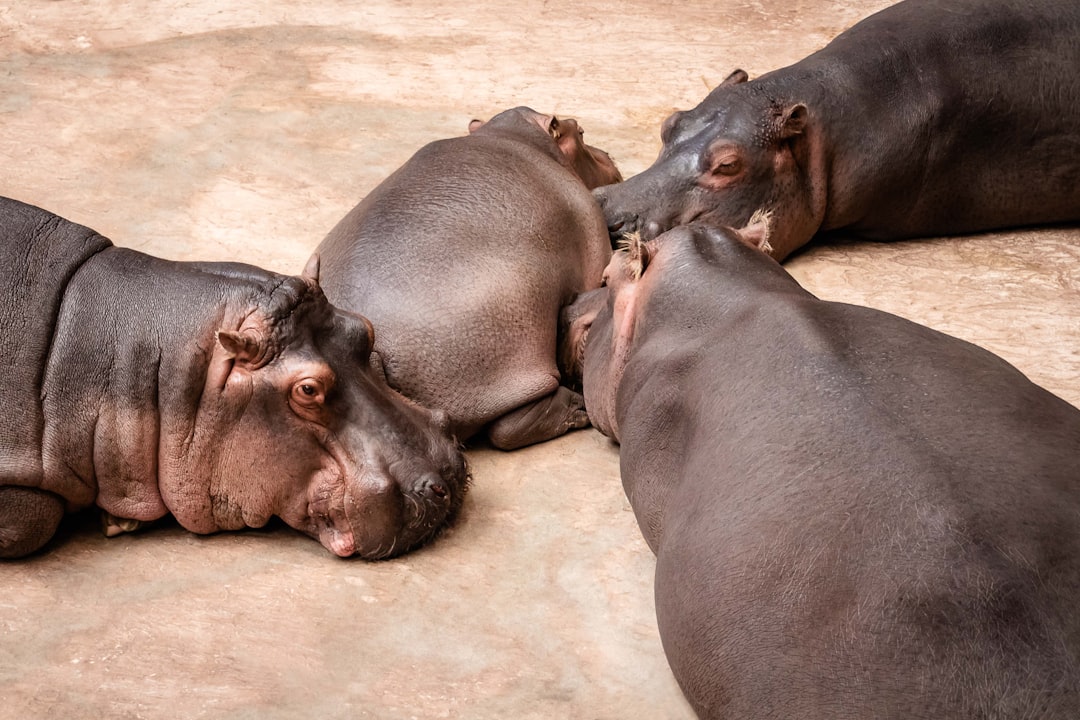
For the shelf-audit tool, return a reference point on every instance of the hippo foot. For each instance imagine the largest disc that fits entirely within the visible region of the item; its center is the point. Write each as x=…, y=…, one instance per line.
x=28, y=519
x=113, y=526
x=549, y=417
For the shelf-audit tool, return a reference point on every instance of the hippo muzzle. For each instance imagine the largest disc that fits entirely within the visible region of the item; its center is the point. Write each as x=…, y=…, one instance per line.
x=388, y=514
x=397, y=496
x=649, y=203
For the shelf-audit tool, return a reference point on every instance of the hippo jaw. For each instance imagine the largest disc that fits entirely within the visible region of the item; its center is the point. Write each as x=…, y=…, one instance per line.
x=609, y=336
x=376, y=488
x=386, y=502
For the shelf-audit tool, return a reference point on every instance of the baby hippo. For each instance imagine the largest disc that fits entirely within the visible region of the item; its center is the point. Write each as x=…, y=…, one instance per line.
x=464, y=258
x=218, y=393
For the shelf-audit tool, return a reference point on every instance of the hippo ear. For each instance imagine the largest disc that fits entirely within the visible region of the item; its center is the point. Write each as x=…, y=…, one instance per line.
x=547, y=123
x=756, y=232
x=640, y=253
x=793, y=121
x=243, y=347
x=475, y=125
x=553, y=128
x=311, y=270
x=736, y=77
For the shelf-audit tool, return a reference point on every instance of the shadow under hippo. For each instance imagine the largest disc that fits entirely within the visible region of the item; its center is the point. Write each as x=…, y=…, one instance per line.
x=219, y=393
x=854, y=516
x=464, y=258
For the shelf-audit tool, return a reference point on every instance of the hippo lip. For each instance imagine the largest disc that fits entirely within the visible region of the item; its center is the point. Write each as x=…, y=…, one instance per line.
x=616, y=226
x=335, y=529
x=356, y=528
x=345, y=501
x=388, y=508
x=402, y=532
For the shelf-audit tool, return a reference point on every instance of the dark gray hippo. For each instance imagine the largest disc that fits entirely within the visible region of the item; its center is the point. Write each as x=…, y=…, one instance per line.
x=854, y=516
x=931, y=117
x=218, y=393
x=463, y=259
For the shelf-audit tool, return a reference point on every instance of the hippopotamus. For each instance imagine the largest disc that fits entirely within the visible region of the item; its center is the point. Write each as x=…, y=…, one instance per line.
x=929, y=118
x=853, y=515
x=218, y=393
x=464, y=257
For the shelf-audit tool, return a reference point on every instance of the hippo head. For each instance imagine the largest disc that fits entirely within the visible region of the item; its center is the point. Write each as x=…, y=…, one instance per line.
x=647, y=274
x=295, y=421
x=565, y=141
x=594, y=166
x=734, y=153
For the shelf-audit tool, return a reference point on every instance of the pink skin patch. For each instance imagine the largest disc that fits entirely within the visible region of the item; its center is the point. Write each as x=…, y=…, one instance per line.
x=337, y=542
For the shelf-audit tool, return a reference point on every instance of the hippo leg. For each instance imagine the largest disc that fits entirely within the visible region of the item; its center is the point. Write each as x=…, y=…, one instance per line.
x=28, y=519
x=543, y=419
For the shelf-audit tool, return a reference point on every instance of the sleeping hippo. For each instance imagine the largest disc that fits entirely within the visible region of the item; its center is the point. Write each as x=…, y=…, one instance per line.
x=931, y=117
x=463, y=259
x=218, y=393
x=854, y=516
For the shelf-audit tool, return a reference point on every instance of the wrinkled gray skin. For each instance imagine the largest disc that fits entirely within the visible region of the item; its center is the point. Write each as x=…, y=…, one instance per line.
x=853, y=516
x=463, y=259
x=216, y=392
x=929, y=118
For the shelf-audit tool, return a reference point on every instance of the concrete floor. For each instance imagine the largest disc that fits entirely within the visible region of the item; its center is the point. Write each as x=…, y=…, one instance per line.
x=196, y=132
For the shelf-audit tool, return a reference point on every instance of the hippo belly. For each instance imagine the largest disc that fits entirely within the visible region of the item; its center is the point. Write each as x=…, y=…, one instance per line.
x=39, y=254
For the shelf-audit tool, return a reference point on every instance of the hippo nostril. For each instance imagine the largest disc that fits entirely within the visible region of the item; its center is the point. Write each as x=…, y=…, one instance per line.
x=432, y=485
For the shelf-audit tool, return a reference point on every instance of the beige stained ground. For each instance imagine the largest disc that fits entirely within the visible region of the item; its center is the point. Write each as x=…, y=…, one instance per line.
x=197, y=129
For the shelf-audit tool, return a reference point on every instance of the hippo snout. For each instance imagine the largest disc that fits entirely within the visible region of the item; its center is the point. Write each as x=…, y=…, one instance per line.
x=428, y=505
x=619, y=222
x=428, y=499
x=600, y=194
x=397, y=507
x=432, y=487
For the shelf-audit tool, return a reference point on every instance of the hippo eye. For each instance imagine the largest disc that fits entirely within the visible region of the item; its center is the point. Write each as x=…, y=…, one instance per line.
x=308, y=393
x=726, y=165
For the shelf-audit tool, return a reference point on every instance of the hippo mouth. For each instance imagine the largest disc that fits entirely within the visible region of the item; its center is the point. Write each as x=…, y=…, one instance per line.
x=387, y=513
x=636, y=227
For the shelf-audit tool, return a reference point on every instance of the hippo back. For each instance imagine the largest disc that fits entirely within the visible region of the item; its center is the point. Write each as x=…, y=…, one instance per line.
x=854, y=515
x=462, y=260
x=39, y=254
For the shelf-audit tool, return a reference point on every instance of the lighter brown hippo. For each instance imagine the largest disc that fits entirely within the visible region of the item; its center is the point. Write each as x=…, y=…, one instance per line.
x=463, y=259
